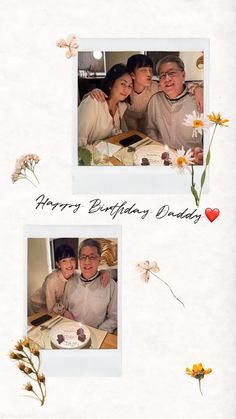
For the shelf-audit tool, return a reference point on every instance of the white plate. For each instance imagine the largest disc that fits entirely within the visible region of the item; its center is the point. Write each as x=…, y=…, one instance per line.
x=68, y=329
x=151, y=152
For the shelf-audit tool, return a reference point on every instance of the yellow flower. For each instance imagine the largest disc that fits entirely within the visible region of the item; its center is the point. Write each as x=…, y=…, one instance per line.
x=216, y=119
x=198, y=371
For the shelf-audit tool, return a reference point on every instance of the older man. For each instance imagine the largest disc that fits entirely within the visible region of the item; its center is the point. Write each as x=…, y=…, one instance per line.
x=84, y=296
x=167, y=109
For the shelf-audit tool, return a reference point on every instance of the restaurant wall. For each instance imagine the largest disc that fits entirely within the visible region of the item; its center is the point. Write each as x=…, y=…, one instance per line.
x=38, y=264
x=113, y=58
x=190, y=59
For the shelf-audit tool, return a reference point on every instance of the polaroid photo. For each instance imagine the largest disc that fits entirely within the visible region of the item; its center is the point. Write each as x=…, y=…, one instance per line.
x=73, y=305
x=130, y=104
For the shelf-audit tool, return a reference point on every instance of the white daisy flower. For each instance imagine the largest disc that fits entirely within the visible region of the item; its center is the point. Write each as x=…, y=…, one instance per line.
x=197, y=122
x=182, y=160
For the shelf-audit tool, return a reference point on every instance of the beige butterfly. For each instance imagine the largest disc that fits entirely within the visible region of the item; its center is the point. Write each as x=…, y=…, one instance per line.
x=71, y=44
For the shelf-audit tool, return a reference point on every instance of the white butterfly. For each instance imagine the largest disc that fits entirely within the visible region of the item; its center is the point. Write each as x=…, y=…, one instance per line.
x=71, y=44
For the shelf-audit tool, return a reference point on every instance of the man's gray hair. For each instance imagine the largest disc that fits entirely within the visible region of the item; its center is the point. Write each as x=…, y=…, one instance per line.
x=91, y=243
x=170, y=59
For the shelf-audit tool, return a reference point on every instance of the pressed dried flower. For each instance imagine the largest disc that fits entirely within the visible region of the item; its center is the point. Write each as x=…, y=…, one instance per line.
x=28, y=386
x=151, y=267
x=71, y=44
x=216, y=119
x=15, y=355
x=25, y=342
x=28, y=370
x=198, y=372
x=24, y=165
x=21, y=366
x=30, y=366
x=34, y=350
x=19, y=346
x=41, y=377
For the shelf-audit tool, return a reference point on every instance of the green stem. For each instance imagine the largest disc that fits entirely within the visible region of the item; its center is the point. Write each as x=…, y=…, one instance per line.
x=169, y=288
x=205, y=168
x=200, y=388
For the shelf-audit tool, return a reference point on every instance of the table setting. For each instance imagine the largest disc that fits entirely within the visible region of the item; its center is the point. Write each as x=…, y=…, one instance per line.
x=142, y=151
x=62, y=333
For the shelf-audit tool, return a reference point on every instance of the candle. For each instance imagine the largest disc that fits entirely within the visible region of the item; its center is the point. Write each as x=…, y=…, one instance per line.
x=165, y=155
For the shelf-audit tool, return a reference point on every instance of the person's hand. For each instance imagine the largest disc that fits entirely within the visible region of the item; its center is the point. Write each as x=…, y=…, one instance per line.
x=105, y=278
x=68, y=315
x=98, y=94
x=198, y=155
x=199, y=98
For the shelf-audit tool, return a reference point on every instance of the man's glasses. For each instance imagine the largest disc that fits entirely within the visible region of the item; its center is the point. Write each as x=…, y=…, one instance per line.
x=169, y=74
x=91, y=258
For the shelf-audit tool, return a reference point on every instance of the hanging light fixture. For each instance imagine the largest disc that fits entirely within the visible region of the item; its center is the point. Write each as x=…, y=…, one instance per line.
x=97, y=55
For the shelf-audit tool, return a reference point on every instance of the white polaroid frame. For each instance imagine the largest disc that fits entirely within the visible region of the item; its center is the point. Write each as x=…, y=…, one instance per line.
x=135, y=179
x=84, y=362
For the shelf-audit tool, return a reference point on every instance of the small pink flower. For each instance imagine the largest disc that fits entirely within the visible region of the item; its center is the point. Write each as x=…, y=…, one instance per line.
x=147, y=267
x=71, y=44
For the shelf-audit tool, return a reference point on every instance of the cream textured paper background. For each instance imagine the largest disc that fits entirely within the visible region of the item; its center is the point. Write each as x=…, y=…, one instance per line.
x=160, y=338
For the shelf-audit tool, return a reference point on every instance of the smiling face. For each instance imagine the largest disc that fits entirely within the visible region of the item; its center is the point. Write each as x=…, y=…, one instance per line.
x=121, y=88
x=142, y=77
x=171, y=79
x=89, y=261
x=67, y=266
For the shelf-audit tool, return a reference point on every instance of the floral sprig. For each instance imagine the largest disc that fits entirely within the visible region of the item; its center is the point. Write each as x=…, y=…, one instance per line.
x=215, y=121
x=25, y=165
x=185, y=159
x=146, y=268
x=199, y=373
x=71, y=44
x=24, y=353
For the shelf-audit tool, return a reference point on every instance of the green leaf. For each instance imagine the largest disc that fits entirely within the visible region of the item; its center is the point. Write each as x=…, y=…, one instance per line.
x=203, y=178
x=195, y=194
x=208, y=157
x=85, y=156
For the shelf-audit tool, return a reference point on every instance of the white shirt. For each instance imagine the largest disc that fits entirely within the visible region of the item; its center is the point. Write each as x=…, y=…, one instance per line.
x=95, y=121
x=91, y=303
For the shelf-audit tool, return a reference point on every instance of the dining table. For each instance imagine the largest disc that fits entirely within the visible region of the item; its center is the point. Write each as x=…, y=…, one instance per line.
x=109, y=341
x=104, y=154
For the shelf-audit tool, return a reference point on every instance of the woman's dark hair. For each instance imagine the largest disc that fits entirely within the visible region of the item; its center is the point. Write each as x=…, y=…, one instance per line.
x=64, y=251
x=90, y=243
x=115, y=72
x=137, y=61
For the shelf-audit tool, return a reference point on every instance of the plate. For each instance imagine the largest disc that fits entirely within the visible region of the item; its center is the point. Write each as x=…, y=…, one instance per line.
x=150, y=154
x=70, y=335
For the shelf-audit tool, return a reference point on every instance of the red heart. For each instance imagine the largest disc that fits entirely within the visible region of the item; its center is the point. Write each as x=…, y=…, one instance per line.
x=212, y=214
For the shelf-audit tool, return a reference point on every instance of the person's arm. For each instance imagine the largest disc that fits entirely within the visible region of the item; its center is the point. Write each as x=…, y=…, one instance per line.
x=61, y=307
x=105, y=277
x=110, y=323
x=97, y=94
x=87, y=115
x=50, y=295
x=196, y=89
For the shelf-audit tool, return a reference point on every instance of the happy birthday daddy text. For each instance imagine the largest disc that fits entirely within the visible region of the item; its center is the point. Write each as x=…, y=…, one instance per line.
x=96, y=206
